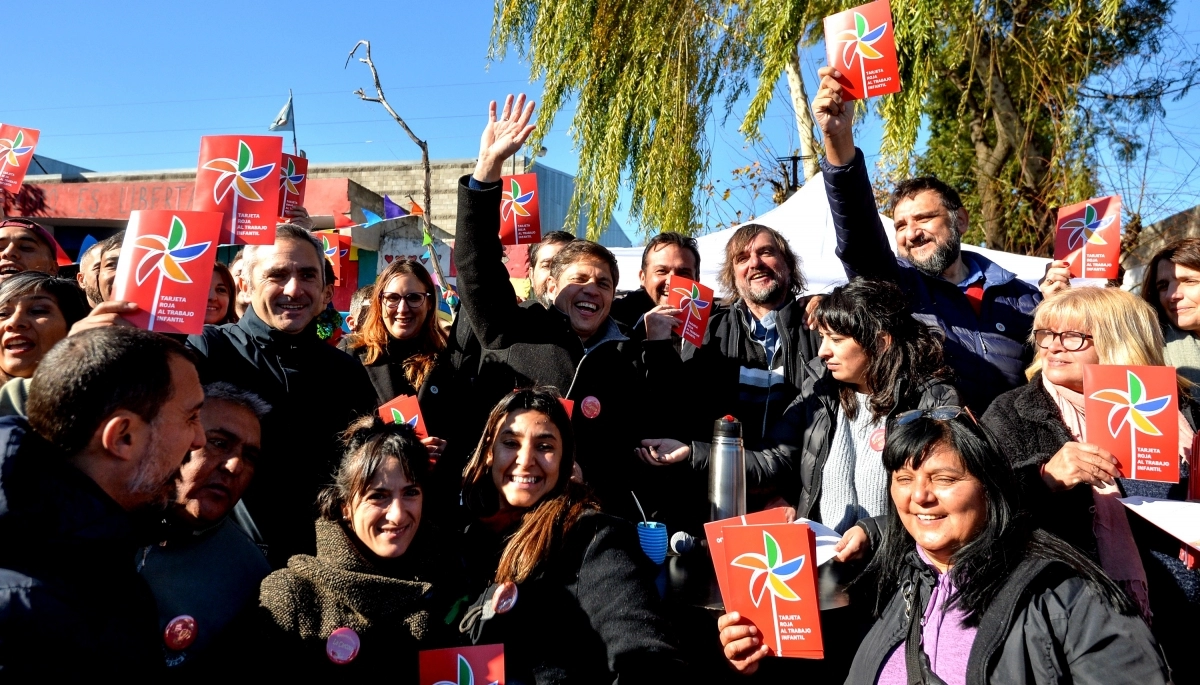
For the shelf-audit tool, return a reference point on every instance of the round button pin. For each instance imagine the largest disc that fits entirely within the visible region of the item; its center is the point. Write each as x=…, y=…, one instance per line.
x=342, y=645
x=590, y=406
x=433, y=389
x=1000, y=327
x=505, y=598
x=878, y=438
x=180, y=633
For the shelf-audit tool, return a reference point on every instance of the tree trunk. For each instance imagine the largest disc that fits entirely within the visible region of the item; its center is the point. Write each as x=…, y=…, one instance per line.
x=804, y=118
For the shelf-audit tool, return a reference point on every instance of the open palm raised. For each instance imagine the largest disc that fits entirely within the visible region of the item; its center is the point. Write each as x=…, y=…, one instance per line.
x=503, y=136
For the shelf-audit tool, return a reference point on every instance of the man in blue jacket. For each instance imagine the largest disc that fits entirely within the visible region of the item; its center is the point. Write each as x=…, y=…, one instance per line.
x=985, y=311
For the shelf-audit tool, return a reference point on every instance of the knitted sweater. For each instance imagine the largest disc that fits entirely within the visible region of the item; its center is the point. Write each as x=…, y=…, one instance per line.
x=856, y=484
x=391, y=604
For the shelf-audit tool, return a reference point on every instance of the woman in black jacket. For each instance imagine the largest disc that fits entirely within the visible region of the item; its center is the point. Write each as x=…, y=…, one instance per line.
x=824, y=455
x=969, y=591
x=565, y=588
x=380, y=588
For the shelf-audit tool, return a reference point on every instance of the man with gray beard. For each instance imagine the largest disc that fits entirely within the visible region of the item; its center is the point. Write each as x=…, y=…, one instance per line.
x=751, y=366
x=985, y=311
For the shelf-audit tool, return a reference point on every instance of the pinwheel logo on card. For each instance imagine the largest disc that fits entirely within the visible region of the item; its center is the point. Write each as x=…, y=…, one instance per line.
x=331, y=251
x=398, y=417
x=288, y=178
x=238, y=175
x=857, y=41
x=466, y=676
x=1132, y=407
x=164, y=257
x=1086, y=229
x=11, y=151
x=770, y=572
x=690, y=301
x=514, y=201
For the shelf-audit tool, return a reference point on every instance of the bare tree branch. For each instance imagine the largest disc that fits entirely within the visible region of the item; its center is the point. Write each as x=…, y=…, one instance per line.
x=382, y=99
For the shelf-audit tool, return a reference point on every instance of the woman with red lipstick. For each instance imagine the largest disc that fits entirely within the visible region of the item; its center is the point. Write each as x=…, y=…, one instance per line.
x=1172, y=287
x=568, y=589
x=220, y=297
x=36, y=311
x=969, y=590
x=1073, y=486
x=379, y=588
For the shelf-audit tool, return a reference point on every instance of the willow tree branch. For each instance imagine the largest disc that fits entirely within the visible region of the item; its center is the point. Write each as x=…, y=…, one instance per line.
x=382, y=99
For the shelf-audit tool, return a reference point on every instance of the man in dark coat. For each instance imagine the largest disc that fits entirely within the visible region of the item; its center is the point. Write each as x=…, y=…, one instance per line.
x=314, y=389
x=112, y=414
x=985, y=311
x=666, y=255
x=573, y=344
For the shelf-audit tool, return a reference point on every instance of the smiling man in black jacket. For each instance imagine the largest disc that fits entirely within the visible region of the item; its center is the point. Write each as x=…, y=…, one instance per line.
x=573, y=344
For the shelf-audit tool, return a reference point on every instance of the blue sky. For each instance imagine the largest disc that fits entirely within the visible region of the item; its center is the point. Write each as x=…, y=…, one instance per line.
x=134, y=86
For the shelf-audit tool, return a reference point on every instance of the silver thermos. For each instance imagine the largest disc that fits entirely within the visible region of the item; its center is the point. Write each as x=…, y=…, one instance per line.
x=727, y=470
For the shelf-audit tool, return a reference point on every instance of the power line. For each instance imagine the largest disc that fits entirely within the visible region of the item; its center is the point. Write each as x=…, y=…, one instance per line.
x=254, y=97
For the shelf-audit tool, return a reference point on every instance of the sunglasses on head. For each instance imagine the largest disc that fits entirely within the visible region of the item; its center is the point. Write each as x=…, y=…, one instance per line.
x=947, y=412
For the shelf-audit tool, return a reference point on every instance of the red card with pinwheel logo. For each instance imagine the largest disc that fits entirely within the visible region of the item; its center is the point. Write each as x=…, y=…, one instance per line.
x=1089, y=237
x=16, y=152
x=520, y=218
x=293, y=179
x=404, y=409
x=477, y=665
x=696, y=301
x=166, y=267
x=337, y=250
x=861, y=44
x=1133, y=412
x=239, y=176
x=773, y=583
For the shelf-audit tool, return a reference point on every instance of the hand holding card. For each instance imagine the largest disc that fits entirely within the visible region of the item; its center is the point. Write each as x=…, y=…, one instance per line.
x=696, y=301
x=1089, y=237
x=860, y=43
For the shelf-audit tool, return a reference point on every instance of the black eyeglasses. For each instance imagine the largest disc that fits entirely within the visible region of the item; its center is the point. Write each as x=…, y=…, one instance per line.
x=946, y=412
x=414, y=300
x=1072, y=341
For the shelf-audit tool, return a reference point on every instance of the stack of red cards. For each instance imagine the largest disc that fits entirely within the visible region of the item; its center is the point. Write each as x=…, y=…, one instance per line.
x=1133, y=412
x=16, y=152
x=766, y=570
x=696, y=301
x=520, y=218
x=478, y=665
x=1089, y=237
x=166, y=267
x=405, y=409
x=861, y=44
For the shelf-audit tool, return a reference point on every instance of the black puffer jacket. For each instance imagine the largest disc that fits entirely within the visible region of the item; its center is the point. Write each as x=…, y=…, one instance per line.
x=1029, y=429
x=1046, y=626
x=71, y=600
x=315, y=391
x=590, y=614
x=532, y=344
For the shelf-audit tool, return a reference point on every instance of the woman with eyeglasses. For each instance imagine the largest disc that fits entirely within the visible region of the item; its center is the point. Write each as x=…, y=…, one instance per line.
x=400, y=341
x=969, y=590
x=1073, y=486
x=875, y=361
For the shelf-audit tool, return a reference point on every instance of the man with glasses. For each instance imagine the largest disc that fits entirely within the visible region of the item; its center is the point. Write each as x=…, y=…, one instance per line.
x=985, y=311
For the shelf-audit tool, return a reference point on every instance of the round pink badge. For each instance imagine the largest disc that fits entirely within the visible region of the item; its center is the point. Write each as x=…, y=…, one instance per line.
x=180, y=633
x=342, y=645
x=590, y=407
x=505, y=598
x=878, y=438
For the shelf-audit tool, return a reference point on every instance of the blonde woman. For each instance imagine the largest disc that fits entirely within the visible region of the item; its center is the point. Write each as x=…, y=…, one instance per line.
x=1071, y=485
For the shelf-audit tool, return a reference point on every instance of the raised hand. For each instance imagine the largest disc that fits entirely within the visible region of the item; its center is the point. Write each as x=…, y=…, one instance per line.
x=503, y=137
x=835, y=117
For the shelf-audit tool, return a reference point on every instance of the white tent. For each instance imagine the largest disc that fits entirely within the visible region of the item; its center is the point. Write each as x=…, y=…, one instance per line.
x=806, y=222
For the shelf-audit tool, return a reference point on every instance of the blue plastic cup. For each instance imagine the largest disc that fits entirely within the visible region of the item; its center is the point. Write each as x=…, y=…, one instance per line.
x=653, y=536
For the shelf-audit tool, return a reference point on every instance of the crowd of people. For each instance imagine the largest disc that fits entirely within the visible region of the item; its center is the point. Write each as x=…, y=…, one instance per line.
x=231, y=503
